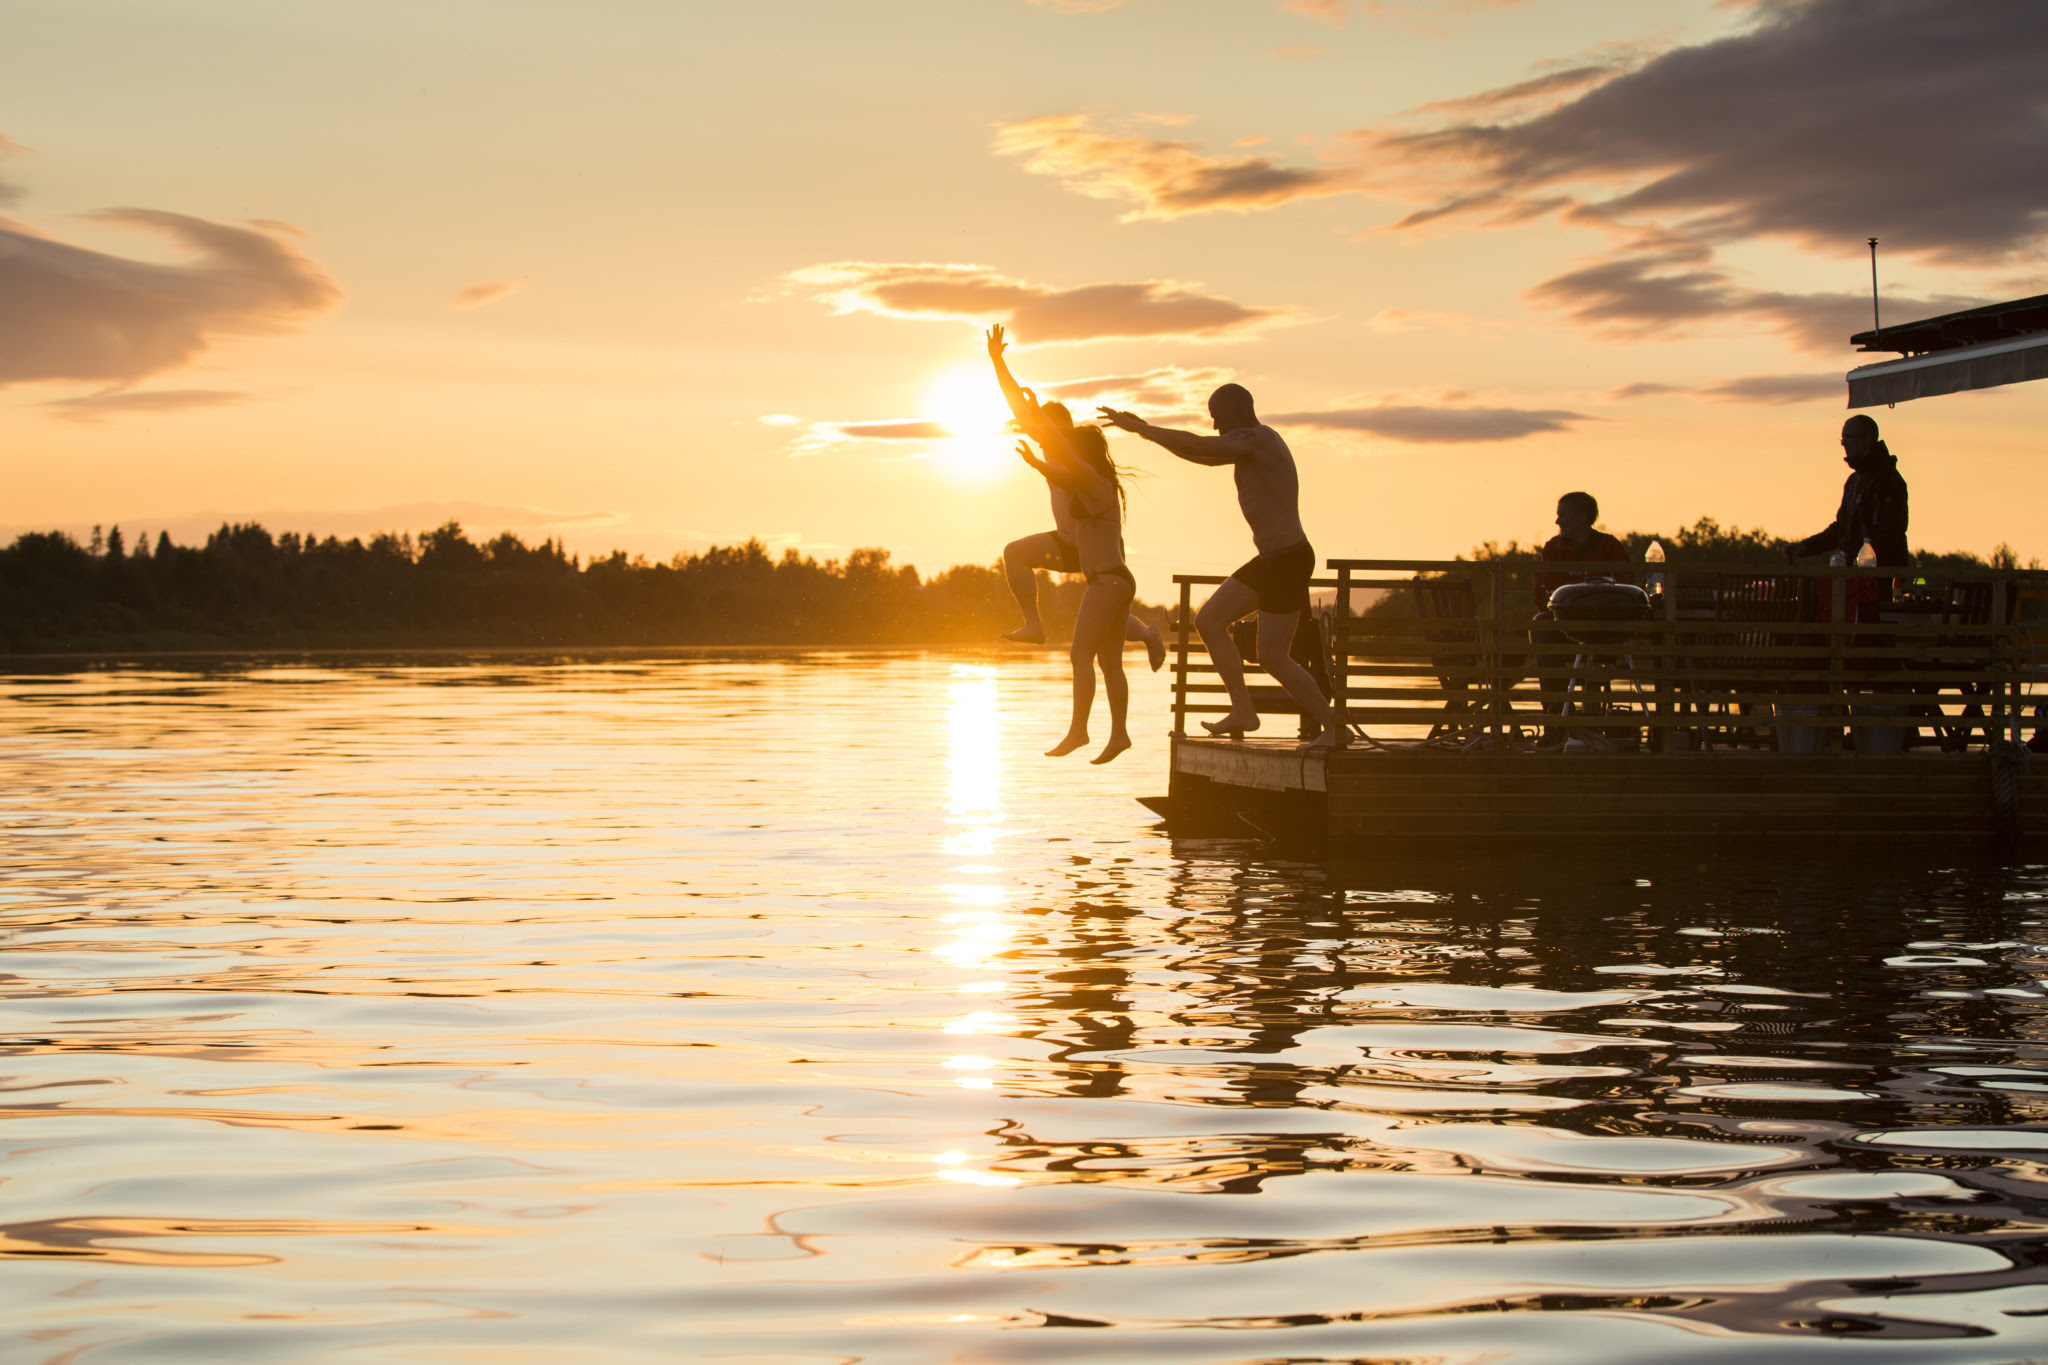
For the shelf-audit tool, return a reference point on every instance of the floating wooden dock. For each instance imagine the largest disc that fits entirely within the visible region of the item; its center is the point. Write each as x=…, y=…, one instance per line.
x=1734, y=715
x=1368, y=800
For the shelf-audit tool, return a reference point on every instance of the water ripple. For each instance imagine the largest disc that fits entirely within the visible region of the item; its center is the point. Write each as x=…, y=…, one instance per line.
x=787, y=1007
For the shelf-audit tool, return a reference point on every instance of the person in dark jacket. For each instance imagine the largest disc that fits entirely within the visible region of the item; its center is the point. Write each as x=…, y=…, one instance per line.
x=1873, y=503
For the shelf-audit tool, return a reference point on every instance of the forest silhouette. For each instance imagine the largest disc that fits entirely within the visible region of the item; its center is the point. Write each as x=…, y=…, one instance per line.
x=248, y=589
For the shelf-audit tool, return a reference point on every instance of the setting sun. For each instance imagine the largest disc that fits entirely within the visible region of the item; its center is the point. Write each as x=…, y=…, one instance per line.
x=966, y=402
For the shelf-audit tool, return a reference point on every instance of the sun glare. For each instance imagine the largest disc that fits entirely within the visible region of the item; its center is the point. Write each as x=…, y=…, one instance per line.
x=967, y=403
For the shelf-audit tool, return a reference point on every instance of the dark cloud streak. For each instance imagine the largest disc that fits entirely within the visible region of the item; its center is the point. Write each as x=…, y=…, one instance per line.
x=1669, y=289
x=1036, y=312
x=1770, y=390
x=1922, y=122
x=1167, y=179
x=903, y=429
x=1437, y=425
x=97, y=407
x=75, y=313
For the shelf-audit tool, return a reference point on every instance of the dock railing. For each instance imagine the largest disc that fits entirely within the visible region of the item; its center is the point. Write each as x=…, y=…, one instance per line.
x=1743, y=655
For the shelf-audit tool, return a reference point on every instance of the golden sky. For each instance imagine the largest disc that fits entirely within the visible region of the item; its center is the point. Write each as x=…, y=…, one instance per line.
x=659, y=274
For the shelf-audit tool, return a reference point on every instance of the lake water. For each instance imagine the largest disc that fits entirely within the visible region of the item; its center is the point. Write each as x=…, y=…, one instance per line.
x=789, y=1009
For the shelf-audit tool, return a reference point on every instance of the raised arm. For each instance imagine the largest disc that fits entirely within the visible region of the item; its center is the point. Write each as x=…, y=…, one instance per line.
x=1204, y=450
x=1062, y=466
x=1023, y=404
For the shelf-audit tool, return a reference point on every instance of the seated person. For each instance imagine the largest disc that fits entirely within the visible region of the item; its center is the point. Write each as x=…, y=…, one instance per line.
x=1575, y=540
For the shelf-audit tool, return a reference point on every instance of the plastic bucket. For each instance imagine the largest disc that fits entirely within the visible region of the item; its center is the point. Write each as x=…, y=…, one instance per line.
x=1798, y=739
x=1879, y=739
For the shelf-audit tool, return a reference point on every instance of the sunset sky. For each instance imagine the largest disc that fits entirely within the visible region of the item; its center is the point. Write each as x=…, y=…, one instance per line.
x=657, y=275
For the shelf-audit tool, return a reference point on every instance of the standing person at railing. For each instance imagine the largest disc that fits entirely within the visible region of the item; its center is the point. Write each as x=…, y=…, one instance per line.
x=1873, y=509
x=1576, y=540
x=1275, y=581
x=1055, y=549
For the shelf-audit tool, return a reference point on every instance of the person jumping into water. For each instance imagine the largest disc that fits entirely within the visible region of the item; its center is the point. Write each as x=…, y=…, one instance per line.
x=1089, y=480
x=1275, y=582
x=1054, y=549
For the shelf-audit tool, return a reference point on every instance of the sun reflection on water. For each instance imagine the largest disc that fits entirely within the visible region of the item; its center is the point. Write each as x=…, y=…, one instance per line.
x=975, y=809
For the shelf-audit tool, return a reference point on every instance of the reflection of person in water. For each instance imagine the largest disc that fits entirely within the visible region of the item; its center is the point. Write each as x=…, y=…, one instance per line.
x=1055, y=549
x=1096, y=497
x=1274, y=582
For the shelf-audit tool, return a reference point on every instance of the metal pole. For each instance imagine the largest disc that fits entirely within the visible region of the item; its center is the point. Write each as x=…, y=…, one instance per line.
x=1875, y=325
x=1497, y=682
x=1340, y=657
x=1180, y=659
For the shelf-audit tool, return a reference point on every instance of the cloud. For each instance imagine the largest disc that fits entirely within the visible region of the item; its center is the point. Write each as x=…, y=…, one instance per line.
x=1166, y=179
x=1918, y=121
x=477, y=295
x=75, y=313
x=1521, y=95
x=1778, y=389
x=1646, y=390
x=1038, y=313
x=1409, y=13
x=97, y=407
x=10, y=193
x=1405, y=320
x=899, y=429
x=1667, y=288
x=1413, y=425
x=1773, y=390
x=1169, y=387
x=1078, y=6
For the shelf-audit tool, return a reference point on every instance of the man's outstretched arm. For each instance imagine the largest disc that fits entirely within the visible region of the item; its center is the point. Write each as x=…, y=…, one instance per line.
x=1208, y=450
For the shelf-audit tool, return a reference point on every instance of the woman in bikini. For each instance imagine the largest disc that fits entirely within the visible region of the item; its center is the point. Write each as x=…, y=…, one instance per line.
x=1076, y=461
x=1052, y=549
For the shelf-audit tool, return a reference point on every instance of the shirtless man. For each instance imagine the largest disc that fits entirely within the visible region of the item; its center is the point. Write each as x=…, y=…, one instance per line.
x=1276, y=581
x=1054, y=549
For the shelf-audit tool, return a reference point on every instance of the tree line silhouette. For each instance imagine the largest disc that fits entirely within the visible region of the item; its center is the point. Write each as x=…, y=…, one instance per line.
x=246, y=588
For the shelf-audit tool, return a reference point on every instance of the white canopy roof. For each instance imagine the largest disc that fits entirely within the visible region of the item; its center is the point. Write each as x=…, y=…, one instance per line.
x=1983, y=366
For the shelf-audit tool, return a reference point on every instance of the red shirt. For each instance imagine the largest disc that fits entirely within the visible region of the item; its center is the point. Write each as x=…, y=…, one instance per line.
x=1600, y=548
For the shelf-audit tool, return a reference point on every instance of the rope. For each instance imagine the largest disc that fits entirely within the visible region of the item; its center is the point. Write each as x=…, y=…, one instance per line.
x=2007, y=759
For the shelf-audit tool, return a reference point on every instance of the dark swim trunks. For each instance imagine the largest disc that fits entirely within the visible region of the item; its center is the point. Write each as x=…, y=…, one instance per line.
x=1280, y=578
x=1070, y=554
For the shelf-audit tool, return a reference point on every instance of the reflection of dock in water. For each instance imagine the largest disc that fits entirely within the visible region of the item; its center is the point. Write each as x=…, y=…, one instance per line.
x=1744, y=704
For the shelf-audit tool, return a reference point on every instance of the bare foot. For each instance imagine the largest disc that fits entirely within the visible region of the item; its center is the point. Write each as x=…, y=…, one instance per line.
x=1117, y=744
x=1324, y=742
x=1073, y=741
x=1155, y=649
x=1247, y=722
x=1025, y=635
